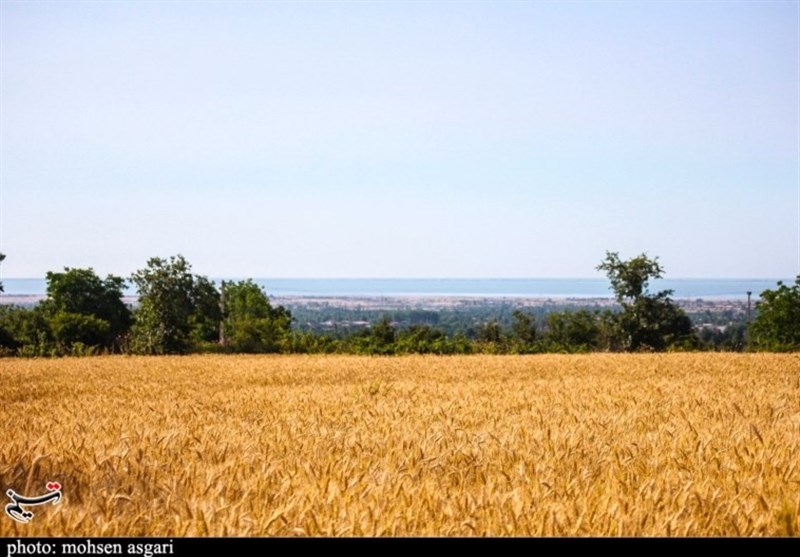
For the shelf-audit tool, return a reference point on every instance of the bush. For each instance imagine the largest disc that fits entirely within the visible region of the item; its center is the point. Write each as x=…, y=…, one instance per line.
x=777, y=323
x=78, y=334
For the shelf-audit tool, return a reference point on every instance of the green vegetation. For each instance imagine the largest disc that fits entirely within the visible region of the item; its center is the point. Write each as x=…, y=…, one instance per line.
x=251, y=324
x=650, y=322
x=777, y=325
x=82, y=314
x=85, y=310
x=578, y=331
x=179, y=312
x=25, y=332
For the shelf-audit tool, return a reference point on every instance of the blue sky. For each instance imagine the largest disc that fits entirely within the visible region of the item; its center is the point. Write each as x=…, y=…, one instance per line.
x=425, y=139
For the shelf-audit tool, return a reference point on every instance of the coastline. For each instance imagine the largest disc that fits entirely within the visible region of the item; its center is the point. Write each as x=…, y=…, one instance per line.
x=445, y=302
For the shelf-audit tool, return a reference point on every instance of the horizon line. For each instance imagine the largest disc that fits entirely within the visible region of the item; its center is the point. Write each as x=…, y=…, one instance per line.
x=595, y=278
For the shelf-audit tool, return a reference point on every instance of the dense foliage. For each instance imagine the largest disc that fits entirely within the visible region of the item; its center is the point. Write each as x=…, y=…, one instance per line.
x=85, y=309
x=179, y=312
x=647, y=321
x=250, y=322
x=82, y=314
x=777, y=326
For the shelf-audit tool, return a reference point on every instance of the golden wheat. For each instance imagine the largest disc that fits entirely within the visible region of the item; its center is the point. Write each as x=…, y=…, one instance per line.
x=632, y=445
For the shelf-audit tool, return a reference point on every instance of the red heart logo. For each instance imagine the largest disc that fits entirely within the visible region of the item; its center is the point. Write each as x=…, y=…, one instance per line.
x=53, y=486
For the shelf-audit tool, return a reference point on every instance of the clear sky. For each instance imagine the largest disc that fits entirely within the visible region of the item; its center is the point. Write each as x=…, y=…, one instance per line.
x=397, y=139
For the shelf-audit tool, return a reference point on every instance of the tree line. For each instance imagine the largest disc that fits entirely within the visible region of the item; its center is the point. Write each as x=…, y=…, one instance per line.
x=179, y=312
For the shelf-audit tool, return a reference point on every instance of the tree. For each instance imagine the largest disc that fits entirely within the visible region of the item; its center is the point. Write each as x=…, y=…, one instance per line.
x=2, y=257
x=175, y=307
x=574, y=331
x=251, y=323
x=383, y=331
x=421, y=339
x=83, y=308
x=629, y=279
x=524, y=327
x=78, y=333
x=207, y=313
x=491, y=332
x=377, y=339
x=25, y=331
x=777, y=322
x=523, y=333
x=647, y=321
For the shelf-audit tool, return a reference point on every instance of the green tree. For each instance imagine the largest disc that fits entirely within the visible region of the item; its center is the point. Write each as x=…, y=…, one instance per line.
x=378, y=339
x=383, y=332
x=574, y=331
x=86, y=309
x=252, y=324
x=524, y=327
x=491, y=332
x=175, y=309
x=421, y=339
x=78, y=334
x=647, y=321
x=26, y=331
x=491, y=338
x=629, y=279
x=523, y=333
x=206, y=313
x=777, y=322
x=2, y=257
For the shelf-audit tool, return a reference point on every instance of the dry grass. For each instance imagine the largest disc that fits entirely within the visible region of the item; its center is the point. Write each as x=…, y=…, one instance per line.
x=631, y=445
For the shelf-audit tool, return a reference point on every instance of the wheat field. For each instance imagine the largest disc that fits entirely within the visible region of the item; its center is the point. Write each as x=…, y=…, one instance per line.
x=554, y=445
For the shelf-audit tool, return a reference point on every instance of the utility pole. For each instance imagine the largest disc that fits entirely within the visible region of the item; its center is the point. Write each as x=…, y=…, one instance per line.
x=749, y=293
x=222, y=311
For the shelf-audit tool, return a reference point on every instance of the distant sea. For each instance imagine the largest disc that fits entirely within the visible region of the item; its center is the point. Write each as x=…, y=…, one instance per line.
x=525, y=288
